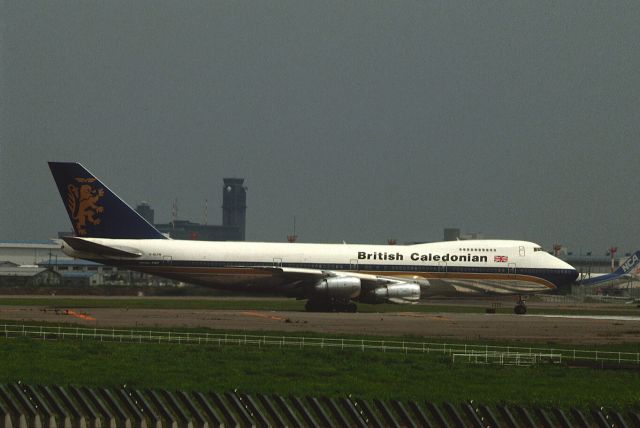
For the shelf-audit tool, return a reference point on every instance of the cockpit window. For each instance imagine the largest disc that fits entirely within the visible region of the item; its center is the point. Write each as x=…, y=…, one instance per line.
x=537, y=249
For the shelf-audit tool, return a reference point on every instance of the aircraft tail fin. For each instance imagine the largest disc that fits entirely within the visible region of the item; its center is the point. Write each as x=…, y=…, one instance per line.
x=629, y=265
x=94, y=210
x=623, y=273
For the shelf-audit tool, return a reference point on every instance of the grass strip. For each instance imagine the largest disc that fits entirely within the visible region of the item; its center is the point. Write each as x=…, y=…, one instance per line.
x=315, y=371
x=420, y=341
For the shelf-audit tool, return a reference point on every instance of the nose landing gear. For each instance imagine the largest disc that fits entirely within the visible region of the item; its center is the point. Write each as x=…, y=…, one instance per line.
x=521, y=306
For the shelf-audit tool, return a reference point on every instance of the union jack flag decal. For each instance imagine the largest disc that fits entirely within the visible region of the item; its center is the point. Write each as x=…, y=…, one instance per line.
x=501, y=259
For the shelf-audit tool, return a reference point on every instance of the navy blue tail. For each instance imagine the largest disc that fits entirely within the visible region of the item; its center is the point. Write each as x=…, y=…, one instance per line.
x=625, y=269
x=94, y=210
x=630, y=264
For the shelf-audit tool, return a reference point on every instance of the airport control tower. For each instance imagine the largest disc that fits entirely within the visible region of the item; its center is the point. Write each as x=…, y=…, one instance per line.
x=234, y=204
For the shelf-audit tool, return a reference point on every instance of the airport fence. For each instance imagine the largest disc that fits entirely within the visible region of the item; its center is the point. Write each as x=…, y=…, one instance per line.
x=44, y=332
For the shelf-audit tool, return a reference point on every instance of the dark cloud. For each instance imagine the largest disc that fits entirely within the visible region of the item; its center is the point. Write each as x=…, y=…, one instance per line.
x=366, y=120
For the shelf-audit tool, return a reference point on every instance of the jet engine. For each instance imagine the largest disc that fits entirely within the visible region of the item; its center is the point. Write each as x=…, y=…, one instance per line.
x=339, y=287
x=393, y=293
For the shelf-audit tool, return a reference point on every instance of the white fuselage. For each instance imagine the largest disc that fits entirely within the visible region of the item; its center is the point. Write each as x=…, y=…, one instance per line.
x=467, y=267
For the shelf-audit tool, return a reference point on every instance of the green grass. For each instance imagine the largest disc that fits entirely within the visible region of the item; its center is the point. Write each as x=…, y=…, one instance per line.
x=310, y=372
x=627, y=347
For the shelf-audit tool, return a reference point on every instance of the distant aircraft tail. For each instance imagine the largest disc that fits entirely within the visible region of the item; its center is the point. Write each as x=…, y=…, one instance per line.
x=629, y=265
x=623, y=273
x=94, y=210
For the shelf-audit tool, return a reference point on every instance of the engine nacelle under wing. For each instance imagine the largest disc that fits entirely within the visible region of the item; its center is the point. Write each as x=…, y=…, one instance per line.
x=338, y=287
x=393, y=293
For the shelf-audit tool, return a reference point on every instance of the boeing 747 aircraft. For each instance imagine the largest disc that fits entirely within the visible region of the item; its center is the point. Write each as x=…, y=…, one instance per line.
x=332, y=277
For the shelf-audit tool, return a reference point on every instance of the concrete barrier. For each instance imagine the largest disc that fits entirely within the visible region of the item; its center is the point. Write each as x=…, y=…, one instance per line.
x=56, y=407
x=543, y=418
x=269, y=406
x=145, y=407
x=225, y=409
x=489, y=416
x=437, y=414
x=94, y=418
x=245, y=419
x=421, y=416
x=634, y=417
x=26, y=406
x=472, y=415
x=323, y=418
x=121, y=416
x=304, y=412
x=338, y=416
x=600, y=418
x=353, y=413
x=183, y=419
x=79, y=420
x=287, y=411
x=372, y=419
x=386, y=413
x=403, y=414
x=454, y=416
x=200, y=421
x=138, y=420
x=18, y=416
x=5, y=416
x=254, y=410
x=214, y=418
x=109, y=421
x=32, y=416
x=618, y=420
x=48, y=416
x=170, y=420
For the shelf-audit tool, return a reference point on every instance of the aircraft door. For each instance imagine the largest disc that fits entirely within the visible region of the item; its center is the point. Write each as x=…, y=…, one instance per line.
x=353, y=264
x=522, y=252
x=167, y=260
x=277, y=262
x=511, y=271
x=442, y=267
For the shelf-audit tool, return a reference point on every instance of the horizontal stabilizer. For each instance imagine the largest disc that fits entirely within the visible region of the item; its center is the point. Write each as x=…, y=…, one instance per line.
x=85, y=246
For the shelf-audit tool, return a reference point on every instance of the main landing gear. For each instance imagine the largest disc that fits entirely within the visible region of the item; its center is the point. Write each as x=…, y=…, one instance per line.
x=521, y=306
x=318, y=305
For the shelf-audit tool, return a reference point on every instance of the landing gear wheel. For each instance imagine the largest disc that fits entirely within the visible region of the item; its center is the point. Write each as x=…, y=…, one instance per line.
x=521, y=306
x=352, y=307
x=520, y=309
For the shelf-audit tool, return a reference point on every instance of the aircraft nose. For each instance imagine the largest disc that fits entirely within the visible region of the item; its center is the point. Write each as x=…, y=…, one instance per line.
x=568, y=276
x=565, y=274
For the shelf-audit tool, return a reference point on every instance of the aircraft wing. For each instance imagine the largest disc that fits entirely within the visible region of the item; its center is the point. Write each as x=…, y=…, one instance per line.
x=314, y=275
x=369, y=287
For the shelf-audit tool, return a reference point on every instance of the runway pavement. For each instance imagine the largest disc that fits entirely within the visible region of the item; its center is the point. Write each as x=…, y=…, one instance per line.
x=567, y=329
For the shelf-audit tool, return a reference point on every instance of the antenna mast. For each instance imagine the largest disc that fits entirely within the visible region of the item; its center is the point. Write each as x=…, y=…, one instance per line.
x=293, y=238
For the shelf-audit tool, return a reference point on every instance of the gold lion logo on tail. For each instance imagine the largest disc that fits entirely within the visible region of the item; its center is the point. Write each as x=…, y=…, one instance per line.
x=82, y=203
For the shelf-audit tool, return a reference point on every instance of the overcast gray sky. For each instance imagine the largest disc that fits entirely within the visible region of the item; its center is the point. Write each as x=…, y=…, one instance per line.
x=365, y=120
